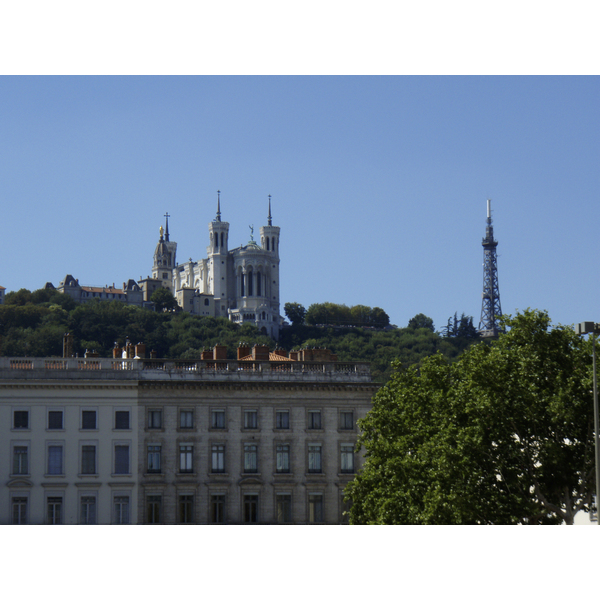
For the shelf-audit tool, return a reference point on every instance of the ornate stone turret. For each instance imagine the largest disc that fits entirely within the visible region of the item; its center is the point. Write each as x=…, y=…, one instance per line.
x=164, y=257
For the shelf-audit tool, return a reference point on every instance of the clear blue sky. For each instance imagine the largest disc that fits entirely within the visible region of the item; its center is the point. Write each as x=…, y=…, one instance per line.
x=379, y=184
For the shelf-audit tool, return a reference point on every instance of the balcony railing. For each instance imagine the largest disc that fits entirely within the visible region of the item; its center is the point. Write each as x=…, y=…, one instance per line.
x=53, y=368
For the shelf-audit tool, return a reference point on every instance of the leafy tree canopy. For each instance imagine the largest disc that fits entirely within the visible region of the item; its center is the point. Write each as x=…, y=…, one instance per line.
x=294, y=312
x=503, y=435
x=164, y=300
x=420, y=321
x=329, y=313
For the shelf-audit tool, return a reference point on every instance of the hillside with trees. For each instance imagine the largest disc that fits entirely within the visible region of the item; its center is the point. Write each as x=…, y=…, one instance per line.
x=33, y=324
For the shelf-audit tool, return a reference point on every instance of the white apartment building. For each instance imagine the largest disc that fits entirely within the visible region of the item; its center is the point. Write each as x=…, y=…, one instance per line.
x=266, y=438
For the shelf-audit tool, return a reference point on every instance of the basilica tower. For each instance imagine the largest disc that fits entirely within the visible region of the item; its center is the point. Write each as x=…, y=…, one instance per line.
x=217, y=255
x=164, y=257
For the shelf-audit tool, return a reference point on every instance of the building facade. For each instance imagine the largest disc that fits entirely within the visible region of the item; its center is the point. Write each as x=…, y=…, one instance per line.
x=267, y=438
x=131, y=293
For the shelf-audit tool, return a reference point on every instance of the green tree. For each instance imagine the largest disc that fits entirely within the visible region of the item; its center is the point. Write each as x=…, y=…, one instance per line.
x=503, y=435
x=163, y=300
x=20, y=298
x=295, y=312
x=421, y=321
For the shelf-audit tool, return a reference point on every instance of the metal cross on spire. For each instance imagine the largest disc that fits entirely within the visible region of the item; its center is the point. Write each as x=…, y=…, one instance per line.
x=167, y=215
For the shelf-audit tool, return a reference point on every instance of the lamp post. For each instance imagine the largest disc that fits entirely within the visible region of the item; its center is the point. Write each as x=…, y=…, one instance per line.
x=594, y=328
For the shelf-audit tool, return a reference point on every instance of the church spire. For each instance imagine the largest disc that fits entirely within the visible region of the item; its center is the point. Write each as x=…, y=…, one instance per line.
x=269, y=220
x=218, y=205
x=167, y=215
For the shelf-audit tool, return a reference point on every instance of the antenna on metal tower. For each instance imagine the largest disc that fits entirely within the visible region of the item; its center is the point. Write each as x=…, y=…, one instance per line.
x=490, y=303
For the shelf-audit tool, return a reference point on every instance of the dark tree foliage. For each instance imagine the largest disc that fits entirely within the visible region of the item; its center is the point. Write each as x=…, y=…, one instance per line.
x=20, y=298
x=164, y=300
x=421, y=321
x=503, y=435
x=461, y=328
x=341, y=315
x=295, y=312
x=37, y=329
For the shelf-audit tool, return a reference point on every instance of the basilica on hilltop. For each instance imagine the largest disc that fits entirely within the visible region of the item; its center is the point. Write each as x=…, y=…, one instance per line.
x=241, y=284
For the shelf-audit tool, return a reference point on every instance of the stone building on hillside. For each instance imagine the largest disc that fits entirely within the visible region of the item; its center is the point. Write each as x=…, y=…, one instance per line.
x=266, y=438
x=130, y=294
x=241, y=284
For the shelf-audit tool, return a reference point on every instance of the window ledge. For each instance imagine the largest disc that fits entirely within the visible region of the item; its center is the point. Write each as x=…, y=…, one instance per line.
x=54, y=475
x=88, y=475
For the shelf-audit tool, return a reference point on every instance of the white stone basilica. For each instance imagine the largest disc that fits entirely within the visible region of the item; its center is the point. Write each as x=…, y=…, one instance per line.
x=241, y=284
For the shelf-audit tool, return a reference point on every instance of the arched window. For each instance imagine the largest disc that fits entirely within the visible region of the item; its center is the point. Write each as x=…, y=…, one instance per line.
x=206, y=302
x=217, y=239
x=222, y=238
x=258, y=283
x=273, y=244
x=268, y=244
x=242, y=286
x=250, y=277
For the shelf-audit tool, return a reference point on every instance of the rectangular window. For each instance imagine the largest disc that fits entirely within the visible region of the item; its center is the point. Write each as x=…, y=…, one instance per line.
x=154, y=459
x=315, y=508
x=21, y=419
x=282, y=419
x=153, y=505
x=347, y=458
x=185, y=459
x=250, y=508
x=284, y=508
x=19, y=511
x=186, y=506
x=347, y=419
x=88, y=419
x=217, y=508
x=88, y=510
x=186, y=419
x=121, y=460
x=154, y=419
x=55, y=419
x=20, y=460
x=54, y=510
x=218, y=458
x=314, y=419
x=55, y=460
x=283, y=458
x=88, y=460
x=218, y=419
x=314, y=458
x=250, y=458
x=121, y=510
x=122, y=419
x=250, y=419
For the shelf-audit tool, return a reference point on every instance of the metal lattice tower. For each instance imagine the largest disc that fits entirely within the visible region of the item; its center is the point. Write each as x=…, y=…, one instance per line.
x=490, y=303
